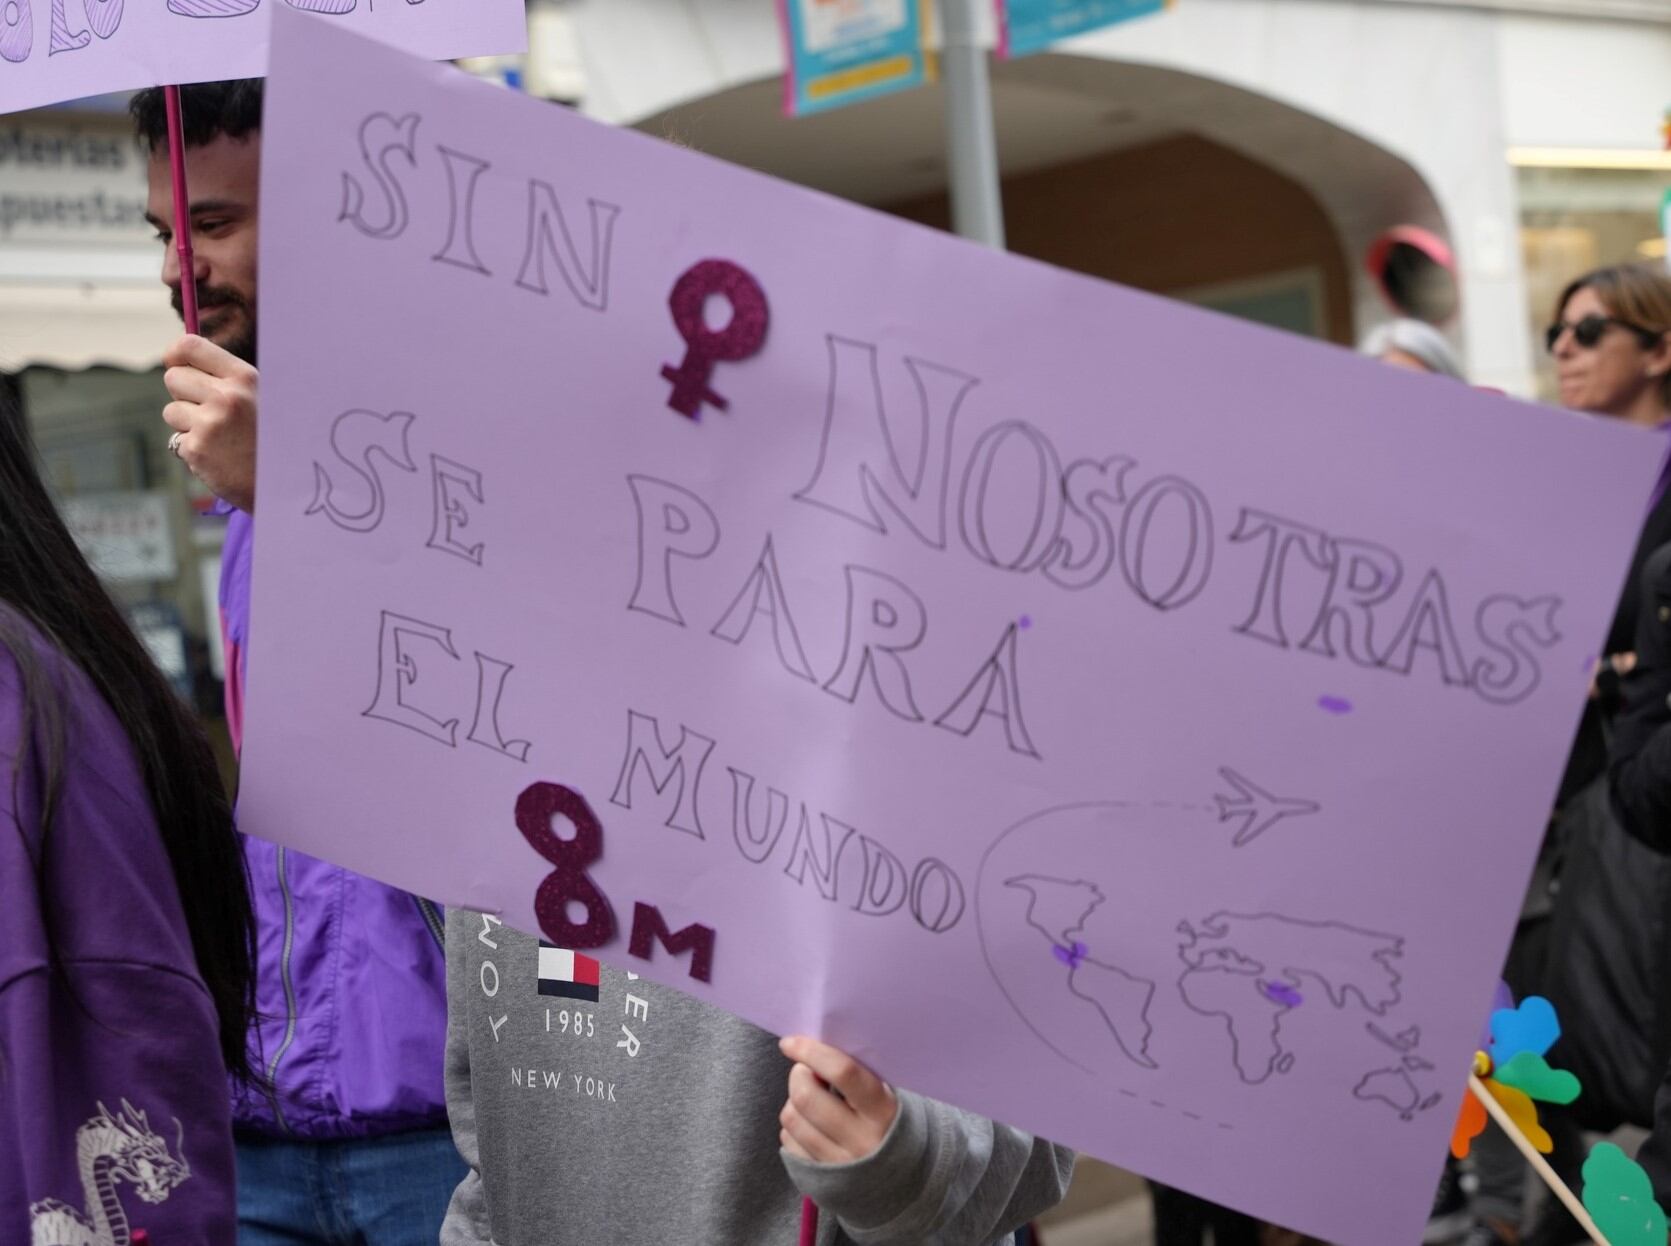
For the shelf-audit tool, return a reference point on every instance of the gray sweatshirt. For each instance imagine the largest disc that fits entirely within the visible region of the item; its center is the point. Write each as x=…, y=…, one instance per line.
x=598, y=1109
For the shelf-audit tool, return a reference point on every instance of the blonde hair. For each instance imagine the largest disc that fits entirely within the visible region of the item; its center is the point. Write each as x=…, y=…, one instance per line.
x=1636, y=293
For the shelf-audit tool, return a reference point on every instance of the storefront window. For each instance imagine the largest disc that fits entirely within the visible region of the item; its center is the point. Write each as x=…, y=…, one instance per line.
x=142, y=521
x=1573, y=220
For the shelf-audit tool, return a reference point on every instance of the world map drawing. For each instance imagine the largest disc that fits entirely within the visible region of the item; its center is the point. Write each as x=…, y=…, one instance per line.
x=1257, y=992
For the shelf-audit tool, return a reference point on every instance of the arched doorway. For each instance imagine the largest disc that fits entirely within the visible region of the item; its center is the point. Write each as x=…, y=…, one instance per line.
x=1150, y=176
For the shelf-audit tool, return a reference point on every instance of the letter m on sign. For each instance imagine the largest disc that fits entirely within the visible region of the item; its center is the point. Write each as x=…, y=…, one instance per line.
x=649, y=927
x=674, y=773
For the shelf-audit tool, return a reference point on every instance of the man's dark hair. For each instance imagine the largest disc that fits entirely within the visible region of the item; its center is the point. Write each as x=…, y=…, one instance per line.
x=207, y=111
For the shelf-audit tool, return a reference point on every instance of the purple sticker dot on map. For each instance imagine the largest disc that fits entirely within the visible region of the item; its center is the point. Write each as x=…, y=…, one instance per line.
x=1025, y=621
x=1069, y=956
x=1335, y=705
x=1282, y=993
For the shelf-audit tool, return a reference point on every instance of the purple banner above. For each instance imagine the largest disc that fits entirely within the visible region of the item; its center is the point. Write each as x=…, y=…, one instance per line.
x=55, y=50
x=1105, y=715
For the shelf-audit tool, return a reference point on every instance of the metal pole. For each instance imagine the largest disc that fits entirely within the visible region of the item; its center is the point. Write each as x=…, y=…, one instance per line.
x=971, y=149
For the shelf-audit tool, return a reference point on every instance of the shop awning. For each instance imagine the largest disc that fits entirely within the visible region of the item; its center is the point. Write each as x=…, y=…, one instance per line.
x=74, y=326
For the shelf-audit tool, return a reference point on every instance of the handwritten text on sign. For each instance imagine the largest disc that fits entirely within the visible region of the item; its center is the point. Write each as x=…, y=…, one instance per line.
x=1094, y=712
x=54, y=50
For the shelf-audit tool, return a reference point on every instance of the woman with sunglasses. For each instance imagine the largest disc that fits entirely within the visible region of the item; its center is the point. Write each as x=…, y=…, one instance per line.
x=125, y=932
x=1611, y=340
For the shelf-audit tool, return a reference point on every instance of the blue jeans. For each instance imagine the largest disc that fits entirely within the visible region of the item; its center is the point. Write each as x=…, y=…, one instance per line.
x=390, y=1191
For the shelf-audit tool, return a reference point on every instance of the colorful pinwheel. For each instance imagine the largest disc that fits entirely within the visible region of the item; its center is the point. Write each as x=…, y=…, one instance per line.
x=1514, y=1071
x=1510, y=1079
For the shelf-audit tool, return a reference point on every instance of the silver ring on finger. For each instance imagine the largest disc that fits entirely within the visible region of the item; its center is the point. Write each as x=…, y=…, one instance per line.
x=174, y=444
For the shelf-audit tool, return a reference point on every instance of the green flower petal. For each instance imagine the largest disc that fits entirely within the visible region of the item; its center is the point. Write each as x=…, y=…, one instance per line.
x=1621, y=1198
x=1530, y=1074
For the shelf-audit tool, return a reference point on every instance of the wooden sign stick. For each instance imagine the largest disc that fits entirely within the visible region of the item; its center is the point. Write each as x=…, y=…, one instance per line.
x=1550, y=1178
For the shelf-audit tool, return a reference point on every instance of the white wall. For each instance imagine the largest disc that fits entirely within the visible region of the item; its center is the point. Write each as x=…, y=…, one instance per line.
x=1635, y=10
x=642, y=56
x=1570, y=82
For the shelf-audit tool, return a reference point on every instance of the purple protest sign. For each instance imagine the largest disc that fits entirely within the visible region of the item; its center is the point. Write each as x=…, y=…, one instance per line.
x=53, y=50
x=1114, y=877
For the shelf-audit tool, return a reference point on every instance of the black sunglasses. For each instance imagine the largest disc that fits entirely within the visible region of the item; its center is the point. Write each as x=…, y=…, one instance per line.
x=1588, y=330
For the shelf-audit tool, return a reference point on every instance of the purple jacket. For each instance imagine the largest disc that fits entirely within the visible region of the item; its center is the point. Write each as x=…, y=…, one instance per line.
x=114, y=1114
x=353, y=983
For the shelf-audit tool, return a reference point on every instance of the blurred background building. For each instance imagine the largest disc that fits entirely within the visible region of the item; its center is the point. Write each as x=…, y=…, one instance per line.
x=1244, y=155
x=1238, y=153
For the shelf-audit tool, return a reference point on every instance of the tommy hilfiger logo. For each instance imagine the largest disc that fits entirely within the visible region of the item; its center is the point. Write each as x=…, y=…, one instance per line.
x=567, y=974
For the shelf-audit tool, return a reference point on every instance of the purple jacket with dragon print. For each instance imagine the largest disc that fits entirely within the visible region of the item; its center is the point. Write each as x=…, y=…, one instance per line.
x=114, y=1115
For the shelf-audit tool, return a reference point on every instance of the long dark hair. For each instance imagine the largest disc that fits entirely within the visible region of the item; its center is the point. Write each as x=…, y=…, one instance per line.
x=45, y=582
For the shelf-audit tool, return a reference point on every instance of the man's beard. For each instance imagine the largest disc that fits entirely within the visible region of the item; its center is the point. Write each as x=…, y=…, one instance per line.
x=211, y=298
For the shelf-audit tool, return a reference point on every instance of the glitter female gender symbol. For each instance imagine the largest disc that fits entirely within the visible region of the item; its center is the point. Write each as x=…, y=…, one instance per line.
x=742, y=337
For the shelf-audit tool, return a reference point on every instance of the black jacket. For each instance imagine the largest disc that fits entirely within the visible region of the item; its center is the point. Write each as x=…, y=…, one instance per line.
x=1639, y=761
x=1655, y=1155
x=1608, y=946
x=1640, y=780
x=1589, y=749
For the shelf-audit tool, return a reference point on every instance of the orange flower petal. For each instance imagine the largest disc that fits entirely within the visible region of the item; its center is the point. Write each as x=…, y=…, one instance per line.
x=1470, y=1123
